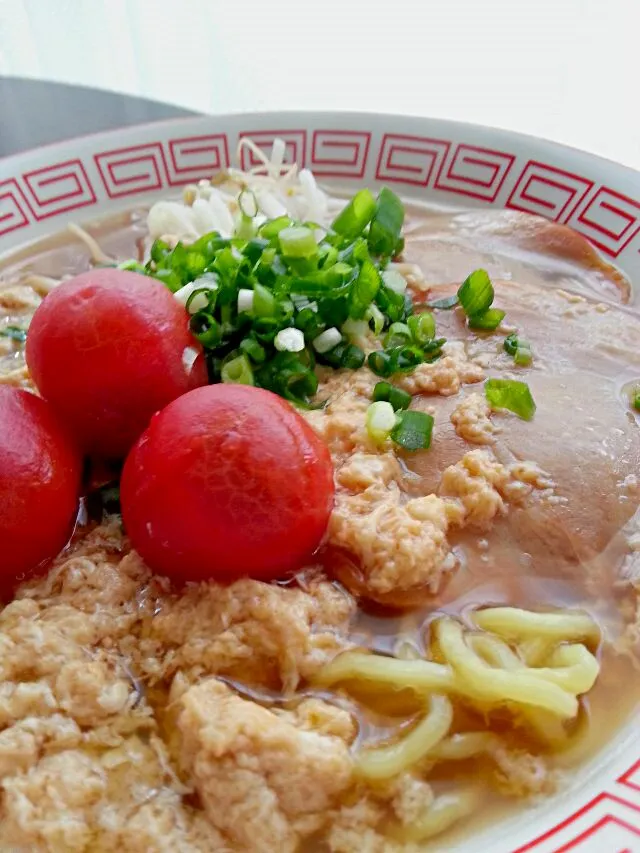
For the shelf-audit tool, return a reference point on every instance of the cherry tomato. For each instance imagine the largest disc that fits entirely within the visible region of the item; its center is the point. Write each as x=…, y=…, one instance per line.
x=40, y=472
x=229, y=480
x=109, y=348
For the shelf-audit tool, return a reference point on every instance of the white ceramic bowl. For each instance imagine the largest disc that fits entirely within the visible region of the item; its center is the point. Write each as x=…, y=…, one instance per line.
x=447, y=162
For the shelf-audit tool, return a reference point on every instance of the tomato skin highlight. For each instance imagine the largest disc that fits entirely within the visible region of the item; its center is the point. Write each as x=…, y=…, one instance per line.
x=227, y=481
x=40, y=475
x=107, y=350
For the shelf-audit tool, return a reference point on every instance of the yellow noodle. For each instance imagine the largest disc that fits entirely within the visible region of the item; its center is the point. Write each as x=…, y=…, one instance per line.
x=419, y=675
x=384, y=762
x=571, y=667
x=41, y=284
x=406, y=650
x=97, y=255
x=515, y=623
x=445, y=810
x=464, y=745
x=479, y=680
x=548, y=728
x=535, y=650
x=494, y=651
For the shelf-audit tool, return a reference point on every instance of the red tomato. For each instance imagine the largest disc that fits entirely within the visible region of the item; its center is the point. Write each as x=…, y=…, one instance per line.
x=40, y=471
x=228, y=480
x=109, y=348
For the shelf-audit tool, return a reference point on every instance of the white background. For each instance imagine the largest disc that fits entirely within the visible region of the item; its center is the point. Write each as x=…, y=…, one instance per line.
x=563, y=69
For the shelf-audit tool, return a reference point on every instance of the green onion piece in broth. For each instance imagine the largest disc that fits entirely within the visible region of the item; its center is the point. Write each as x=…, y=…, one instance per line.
x=510, y=394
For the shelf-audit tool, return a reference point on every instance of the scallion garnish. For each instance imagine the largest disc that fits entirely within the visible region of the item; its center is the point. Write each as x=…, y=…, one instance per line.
x=354, y=218
x=422, y=327
x=520, y=349
x=488, y=320
x=512, y=395
x=523, y=356
x=635, y=400
x=388, y=393
x=511, y=344
x=237, y=371
x=397, y=335
x=475, y=294
x=445, y=303
x=413, y=430
x=298, y=242
x=266, y=303
x=386, y=225
x=15, y=333
x=381, y=419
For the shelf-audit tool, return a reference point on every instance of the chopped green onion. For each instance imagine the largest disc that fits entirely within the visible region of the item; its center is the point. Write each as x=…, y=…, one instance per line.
x=355, y=330
x=238, y=371
x=132, y=266
x=375, y=318
x=354, y=218
x=488, y=320
x=386, y=225
x=345, y=355
x=245, y=228
x=394, y=280
x=270, y=229
x=364, y=290
x=289, y=340
x=422, y=327
x=380, y=363
x=511, y=343
x=206, y=329
x=388, y=393
x=413, y=430
x=298, y=242
x=327, y=340
x=15, y=333
x=254, y=350
x=405, y=358
x=523, y=356
x=159, y=251
x=245, y=300
x=264, y=303
x=512, y=395
x=397, y=335
x=520, y=349
x=445, y=303
x=636, y=400
x=476, y=293
x=381, y=419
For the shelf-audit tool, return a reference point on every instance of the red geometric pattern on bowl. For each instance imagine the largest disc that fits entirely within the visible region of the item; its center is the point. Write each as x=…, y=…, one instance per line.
x=127, y=171
x=339, y=153
x=610, y=221
x=547, y=191
x=195, y=157
x=58, y=189
x=475, y=172
x=609, y=823
x=12, y=207
x=631, y=779
x=295, y=146
x=410, y=159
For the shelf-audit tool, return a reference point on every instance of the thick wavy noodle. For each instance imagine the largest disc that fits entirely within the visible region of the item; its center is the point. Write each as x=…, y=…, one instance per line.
x=527, y=667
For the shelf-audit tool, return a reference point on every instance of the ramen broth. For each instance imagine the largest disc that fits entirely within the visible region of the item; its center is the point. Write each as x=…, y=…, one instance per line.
x=568, y=555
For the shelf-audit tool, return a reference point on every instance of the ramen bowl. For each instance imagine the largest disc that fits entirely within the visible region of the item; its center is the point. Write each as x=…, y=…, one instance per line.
x=449, y=169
